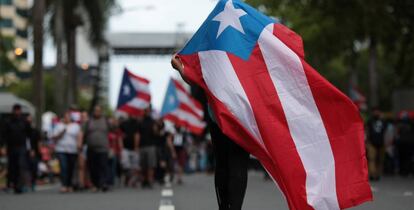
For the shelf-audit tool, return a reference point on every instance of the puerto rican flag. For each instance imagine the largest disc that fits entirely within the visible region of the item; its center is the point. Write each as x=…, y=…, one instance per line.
x=182, y=109
x=307, y=134
x=134, y=94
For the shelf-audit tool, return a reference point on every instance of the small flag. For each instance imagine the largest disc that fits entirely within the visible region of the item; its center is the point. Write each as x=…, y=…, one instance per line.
x=358, y=98
x=134, y=94
x=182, y=109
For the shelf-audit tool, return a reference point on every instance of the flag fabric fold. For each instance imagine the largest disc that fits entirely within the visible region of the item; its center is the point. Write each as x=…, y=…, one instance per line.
x=134, y=94
x=307, y=134
x=182, y=109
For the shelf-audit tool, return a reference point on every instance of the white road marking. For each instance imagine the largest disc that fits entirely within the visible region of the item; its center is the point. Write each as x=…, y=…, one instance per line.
x=167, y=193
x=408, y=193
x=166, y=199
x=166, y=204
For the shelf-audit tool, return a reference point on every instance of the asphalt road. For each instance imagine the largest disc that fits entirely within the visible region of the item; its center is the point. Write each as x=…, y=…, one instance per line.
x=197, y=193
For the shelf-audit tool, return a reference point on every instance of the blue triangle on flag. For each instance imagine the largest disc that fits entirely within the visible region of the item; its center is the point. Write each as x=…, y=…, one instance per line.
x=171, y=101
x=127, y=91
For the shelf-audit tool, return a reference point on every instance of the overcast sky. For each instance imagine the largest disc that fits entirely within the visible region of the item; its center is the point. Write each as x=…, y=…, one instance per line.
x=144, y=16
x=153, y=16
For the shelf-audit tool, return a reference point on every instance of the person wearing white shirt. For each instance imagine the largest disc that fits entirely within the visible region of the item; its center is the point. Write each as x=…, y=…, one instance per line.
x=68, y=138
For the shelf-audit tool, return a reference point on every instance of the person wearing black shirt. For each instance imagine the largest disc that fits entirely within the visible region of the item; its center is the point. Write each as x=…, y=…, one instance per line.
x=165, y=152
x=17, y=131
x=129, y=157
x=375, y=144
x=405, y=145
x=147, y=149
x=33, y=153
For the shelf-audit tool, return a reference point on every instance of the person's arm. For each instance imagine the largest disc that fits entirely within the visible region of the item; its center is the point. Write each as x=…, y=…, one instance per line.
x=137, y=138
x=171, y=146
x=121, y=142
x=58, y=135
x=80, y=140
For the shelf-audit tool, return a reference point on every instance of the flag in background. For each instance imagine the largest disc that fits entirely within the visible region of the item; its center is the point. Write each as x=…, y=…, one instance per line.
x=358, y=98
x=307, y=134
x=134, y=94
x=182, y=109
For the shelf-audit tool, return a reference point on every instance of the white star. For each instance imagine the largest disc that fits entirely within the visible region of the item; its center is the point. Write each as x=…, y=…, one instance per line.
x=230, y=17
x=126, y=90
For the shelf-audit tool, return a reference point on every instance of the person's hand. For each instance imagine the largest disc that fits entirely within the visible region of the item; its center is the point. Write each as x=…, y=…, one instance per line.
x=174, y=156
x=32, y=153
x=176, y=63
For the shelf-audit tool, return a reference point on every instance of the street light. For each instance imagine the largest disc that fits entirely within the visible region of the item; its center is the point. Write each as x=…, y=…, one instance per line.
x=18, y=51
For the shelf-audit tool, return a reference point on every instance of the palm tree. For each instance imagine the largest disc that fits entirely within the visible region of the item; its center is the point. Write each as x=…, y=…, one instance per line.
x=38, y=93
x=93, y=15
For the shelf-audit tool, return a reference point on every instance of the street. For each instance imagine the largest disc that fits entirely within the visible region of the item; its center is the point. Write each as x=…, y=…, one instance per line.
x=197, y=193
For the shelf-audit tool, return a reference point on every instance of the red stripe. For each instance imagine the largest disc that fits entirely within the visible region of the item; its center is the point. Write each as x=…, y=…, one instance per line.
x=180, y=86
x=141, y=79
x=132, y=111
x=181, y=123
x=144, y=96
x=196, y=103
x=230, y=125
x=267, y=108
x=187, y=109
x=345, y=130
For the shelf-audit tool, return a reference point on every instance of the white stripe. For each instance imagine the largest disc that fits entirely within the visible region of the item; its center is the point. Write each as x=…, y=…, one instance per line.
x=222, y=81
x=304, y=120
x=189, y=118
x=140, y=86
x=185, y=99
x=138, y=103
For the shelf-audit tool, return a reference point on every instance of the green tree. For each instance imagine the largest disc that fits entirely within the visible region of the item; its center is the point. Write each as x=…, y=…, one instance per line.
x=93, y=15
x=351, y=42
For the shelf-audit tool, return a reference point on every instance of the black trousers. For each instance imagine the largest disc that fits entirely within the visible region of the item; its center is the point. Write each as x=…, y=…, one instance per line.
x=67, y=164
x=231, y=170
x=98, y=168
x=17, y=167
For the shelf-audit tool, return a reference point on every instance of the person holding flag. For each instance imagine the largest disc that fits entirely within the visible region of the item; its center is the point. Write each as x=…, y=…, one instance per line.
x=263, y=95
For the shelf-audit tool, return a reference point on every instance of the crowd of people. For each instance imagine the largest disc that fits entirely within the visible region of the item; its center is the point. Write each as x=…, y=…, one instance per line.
x=98, y=153
x=390, y=144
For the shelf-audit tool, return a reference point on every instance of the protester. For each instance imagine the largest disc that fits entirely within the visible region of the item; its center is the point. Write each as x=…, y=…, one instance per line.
x=115, y=149
x=83, y=178
x=165, y=152
x=231, y=162
x=405, y=145
x=96, y=139
x=375, y=144
x=33, y=150
x=16, y=132
x=179, y=146
x=129, y=155
x=68, y=137
x=147, y=149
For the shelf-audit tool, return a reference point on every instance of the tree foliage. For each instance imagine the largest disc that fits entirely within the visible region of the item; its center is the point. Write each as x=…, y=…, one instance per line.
x=337, y=34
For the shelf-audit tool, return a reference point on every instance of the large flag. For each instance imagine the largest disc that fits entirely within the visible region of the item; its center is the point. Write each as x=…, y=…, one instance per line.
x=182, y=109
x=307, y=134
x=134, y=94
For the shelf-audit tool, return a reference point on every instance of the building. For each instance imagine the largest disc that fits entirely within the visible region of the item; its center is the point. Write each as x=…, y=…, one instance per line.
x=14, y=31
